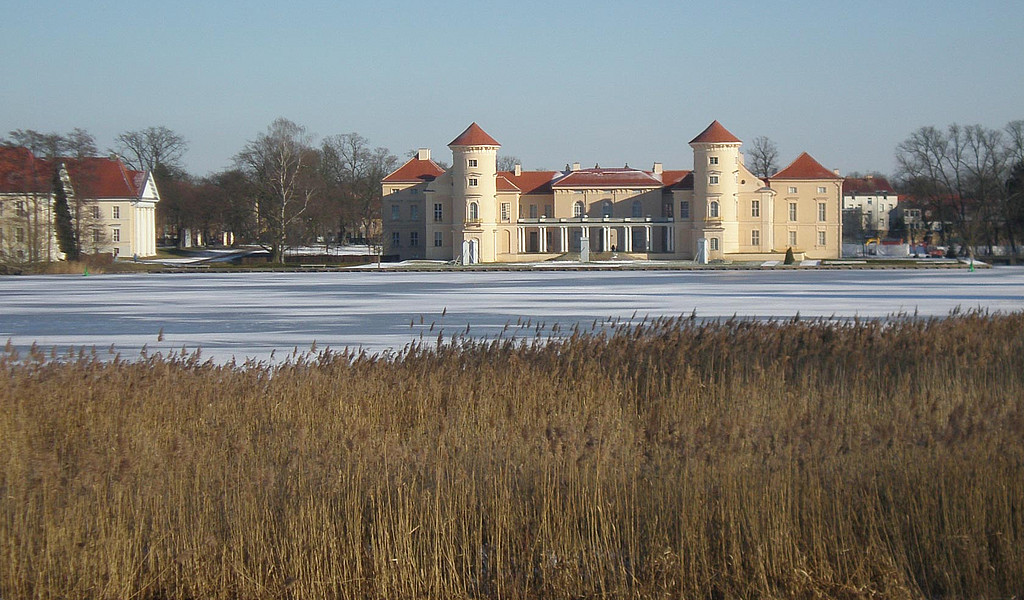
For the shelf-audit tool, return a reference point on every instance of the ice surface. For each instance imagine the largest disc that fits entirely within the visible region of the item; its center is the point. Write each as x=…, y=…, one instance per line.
x=239, y=315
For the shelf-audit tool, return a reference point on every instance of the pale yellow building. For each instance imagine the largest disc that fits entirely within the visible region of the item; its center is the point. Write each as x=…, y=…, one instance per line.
x=474, y=213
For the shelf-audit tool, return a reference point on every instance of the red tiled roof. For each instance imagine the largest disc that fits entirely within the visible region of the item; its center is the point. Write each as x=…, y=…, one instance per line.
x=22, y=173
x=679, y=180
x=474, y=136
x=867, y=186
x=504, y=185
x=608, y=178
x=531, y=182
x=715, y=134
x=104, y=178
x=805, y=167
x=415, y=170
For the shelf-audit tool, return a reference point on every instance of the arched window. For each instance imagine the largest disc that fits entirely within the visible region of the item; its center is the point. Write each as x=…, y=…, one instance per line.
x=474, y=211
x=638, y=208
x=713, y=209
x=714, y=243
x=606, y=208
x=577, y=209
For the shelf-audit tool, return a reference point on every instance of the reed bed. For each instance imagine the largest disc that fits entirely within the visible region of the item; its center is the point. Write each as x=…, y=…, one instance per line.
x=662, y=459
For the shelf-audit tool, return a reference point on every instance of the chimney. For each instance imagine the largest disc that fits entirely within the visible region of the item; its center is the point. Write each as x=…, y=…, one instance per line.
x=575, y=166
x=423, y=154
x=658, y=169
x=518, y=170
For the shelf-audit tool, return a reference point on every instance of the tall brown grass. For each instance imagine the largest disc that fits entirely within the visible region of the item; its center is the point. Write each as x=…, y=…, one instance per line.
x=668, y=459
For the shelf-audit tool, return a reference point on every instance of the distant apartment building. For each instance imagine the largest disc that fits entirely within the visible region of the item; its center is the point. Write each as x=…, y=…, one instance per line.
x=876, y=201
x=476, y=213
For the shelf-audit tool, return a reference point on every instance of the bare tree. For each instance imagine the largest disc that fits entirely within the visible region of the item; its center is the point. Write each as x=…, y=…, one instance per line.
x=152, y=147
x=960, y=174
x=508, y=162
x=354, y=170
x=279, y=164
x=764, y=156
x=77, y=143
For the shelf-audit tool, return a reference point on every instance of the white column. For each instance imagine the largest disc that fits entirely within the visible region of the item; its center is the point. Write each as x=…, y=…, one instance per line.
x=606, y=239
x=629, y=238
x=647, y=241
x=670, y=236
x=542, y=234
x=565, y=238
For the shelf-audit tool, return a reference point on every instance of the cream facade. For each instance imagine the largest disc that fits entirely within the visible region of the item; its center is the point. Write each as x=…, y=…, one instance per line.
x=474, y=213
x=114, y=207
x=877, y=200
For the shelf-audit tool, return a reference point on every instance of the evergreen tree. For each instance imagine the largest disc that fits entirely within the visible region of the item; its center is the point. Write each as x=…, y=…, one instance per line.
x=790, y=259
x=62, y=214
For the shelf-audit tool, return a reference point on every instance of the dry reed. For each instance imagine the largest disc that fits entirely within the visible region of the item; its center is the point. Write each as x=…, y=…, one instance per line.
x=666, y=459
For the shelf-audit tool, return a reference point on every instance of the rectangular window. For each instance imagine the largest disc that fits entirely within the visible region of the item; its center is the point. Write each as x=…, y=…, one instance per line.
x=95, y=212
x=438, y=239
x=473, y=182
x=822, y=212
x=684, y=209
x=414, y=211
x=116, y=212
x=548, y=211
x=471, y=163
x=19, y=208
x=821, y=238
x=792, y=189
x=821, y=189
x=506, y=212
x=414, y=238
x=712, y=160
x=755, y=237
x=792, y=211
x=533, y=211
x=396, y=239
x=96, y=236
x=438, y=212
x=394, y=212
x=713, y=179
x=755, y=208
x=714, y=243
x=792, y=238
x=115, y=234
x=19, y=234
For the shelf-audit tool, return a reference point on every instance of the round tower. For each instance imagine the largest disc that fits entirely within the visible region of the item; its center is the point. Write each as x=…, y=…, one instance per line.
x=716, y=158
x=474, y=188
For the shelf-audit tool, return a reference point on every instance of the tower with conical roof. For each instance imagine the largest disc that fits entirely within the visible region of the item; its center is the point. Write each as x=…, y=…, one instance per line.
x=716, y=158
x=474, y=189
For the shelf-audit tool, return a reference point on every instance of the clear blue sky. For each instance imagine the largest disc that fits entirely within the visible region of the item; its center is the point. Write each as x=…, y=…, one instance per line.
x=595, y=82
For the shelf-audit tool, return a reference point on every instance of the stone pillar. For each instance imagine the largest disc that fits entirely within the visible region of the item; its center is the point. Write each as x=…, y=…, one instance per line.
x=629, y=238
x=543, y=241
x=647, y=240
x=565, y=238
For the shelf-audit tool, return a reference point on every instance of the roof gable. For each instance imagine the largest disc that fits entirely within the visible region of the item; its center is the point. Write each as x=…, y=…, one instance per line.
x=805, y=167
x=715, y=134
x=531, y=182
x=415, y=171
x=474, y=136
x=103, y=178
x=598, y=177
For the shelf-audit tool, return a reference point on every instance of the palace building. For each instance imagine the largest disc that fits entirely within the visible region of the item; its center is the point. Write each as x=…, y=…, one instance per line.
x=474, y=213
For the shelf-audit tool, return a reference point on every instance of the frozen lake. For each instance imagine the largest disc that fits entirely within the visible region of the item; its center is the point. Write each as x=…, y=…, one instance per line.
x=253, y=314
